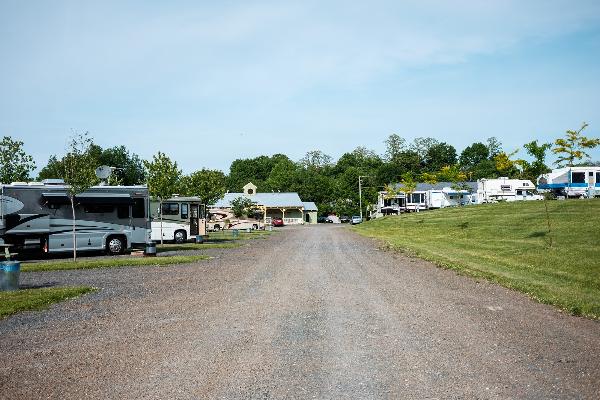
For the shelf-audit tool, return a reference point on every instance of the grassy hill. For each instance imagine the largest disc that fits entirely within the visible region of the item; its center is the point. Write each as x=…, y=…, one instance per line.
x=509, y=243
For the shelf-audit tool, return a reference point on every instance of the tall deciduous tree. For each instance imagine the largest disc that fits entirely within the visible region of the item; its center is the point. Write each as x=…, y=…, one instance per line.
x=78, y=172
x=15, y=164
x=163, y=178
x=573, y=147
x=207, y=184
x=394, y=145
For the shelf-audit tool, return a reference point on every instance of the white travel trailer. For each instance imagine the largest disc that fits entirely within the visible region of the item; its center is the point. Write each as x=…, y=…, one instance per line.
x=505, y=189
x=182, y=219
x=426, y=196
x=572, y=181
x=37, y=216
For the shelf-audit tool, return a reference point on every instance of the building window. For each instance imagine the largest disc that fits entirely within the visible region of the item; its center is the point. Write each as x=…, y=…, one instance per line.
x=170, y=209
x=578, y=177
x=184, y=211
x=250, y=191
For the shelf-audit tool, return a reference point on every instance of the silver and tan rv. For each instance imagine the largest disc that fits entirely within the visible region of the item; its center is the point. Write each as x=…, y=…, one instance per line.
x=38, y=216
x=182, y=219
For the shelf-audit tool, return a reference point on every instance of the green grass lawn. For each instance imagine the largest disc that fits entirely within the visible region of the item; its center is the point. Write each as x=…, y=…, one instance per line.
x=109, y=263
x=509, y=243
x=36, y=299
x=242, y=235
x=196, y=246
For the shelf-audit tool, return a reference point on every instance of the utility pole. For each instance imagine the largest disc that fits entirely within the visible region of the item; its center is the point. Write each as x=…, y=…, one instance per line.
x=360, y=192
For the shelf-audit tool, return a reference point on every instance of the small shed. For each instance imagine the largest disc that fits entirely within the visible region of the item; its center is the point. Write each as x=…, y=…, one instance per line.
x=310, y=212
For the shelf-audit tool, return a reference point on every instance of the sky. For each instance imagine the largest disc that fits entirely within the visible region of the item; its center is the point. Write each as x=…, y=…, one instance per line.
x=211, y=82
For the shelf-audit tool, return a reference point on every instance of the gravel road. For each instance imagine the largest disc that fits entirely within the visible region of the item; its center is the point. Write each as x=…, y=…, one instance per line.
x=312, y=312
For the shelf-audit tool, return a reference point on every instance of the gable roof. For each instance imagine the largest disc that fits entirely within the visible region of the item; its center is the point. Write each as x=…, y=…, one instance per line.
x=310, y=206
x=263, y=199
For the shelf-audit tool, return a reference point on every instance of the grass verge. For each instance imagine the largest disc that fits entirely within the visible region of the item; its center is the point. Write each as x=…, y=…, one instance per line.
x=242, y=235
x=510, y=244
x=109, y=263
x=195, y=246
x=36, y=299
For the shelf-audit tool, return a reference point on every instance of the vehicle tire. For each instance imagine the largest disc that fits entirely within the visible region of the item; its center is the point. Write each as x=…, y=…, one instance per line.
x=217, y=227
x=180, y=237
x=115, y=245
x=255, y=227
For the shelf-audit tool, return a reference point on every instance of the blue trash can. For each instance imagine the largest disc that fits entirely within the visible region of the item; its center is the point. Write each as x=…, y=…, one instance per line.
x=199, y=239
x=9, y=275
x=235, y=233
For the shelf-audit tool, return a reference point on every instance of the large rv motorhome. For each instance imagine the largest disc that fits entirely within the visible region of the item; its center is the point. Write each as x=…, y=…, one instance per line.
x=182, y=219
x=38, y=216
x=572, y=181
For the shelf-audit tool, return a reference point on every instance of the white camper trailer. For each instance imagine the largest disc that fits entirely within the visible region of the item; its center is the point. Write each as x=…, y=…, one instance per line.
x=572, y=182
x=505, y=189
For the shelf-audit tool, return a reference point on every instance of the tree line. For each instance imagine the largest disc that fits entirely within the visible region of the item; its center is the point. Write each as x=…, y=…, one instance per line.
x=332, y=185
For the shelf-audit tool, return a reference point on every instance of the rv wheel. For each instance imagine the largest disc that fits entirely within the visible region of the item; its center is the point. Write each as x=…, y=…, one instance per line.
x=115, y=245
x=180, y=237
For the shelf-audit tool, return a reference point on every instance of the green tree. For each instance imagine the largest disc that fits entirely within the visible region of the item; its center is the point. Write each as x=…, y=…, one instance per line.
x=242, y=206
x=394, y=145
x=538, y=166
x=438, y=155
x=474, y=154
x=207, y=184
x=283, y=176
x=494, y=147
x=163, y=178
x=15, y=164
x=573, y=147
x=78, y=173
x=408, y=185
x=316, y=159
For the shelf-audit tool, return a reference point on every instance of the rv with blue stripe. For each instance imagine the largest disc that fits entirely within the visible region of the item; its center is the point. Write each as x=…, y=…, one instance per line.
x=572, y=182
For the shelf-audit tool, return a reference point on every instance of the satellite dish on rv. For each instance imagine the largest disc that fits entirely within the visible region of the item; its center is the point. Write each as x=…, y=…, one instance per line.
x=103, y=172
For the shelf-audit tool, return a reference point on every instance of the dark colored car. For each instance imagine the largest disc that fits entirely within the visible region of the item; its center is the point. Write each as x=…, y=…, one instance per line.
x=344, y=219
x=322, y=220
x=277, y=222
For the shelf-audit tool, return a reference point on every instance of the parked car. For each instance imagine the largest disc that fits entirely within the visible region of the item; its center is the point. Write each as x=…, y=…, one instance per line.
x=277, y=221
x=322, y=220
x=344, y=219
x=356, y=219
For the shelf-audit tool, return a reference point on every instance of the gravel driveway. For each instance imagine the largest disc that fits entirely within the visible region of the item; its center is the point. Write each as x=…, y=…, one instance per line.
x=313, y=312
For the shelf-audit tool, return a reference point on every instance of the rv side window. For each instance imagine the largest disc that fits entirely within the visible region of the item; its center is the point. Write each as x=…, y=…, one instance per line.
x=578, y=177
x=184, y=211
x=597, y=177
x=98, y=208
x=138, y=209
x=170, y=209
x=122, y=212
x=519, y=192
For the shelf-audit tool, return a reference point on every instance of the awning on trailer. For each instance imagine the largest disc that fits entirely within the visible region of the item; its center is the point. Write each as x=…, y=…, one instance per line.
x=104, y=198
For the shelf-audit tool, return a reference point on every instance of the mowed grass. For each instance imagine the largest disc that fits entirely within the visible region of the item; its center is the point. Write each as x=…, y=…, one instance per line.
x=242, y=235
x=109, y=263
x=195, y=246
x=509, y=243
x=36, y=299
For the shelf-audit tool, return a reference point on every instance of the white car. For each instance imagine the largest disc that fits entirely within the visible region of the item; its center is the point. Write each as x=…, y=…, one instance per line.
x=356, y=220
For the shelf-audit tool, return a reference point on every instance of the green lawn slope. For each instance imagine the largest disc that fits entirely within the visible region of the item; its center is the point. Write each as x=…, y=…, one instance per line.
x=511, y=244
